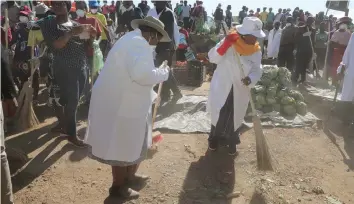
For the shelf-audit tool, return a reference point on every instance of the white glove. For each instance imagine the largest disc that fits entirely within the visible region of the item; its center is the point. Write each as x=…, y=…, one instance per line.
x=307, y=33
x=294, y=52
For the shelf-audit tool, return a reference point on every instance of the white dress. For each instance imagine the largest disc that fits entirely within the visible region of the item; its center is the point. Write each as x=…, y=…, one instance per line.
x=348, y=82
x=119, y=121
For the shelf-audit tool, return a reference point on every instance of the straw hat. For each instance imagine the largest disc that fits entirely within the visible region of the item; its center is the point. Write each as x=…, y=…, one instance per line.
x=153, y=23
x=251, y=26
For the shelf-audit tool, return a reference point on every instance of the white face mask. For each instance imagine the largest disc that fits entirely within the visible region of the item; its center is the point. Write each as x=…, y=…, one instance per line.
x=93, y=11
x=23, y=19
x=288, y=24
x=343, y=27
x=80, y=12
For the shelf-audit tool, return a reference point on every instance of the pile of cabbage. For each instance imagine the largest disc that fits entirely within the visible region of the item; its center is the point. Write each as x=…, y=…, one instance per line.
x=273, y=93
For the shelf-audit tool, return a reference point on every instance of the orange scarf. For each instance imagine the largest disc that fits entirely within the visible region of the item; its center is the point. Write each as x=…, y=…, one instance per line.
x=245, y=49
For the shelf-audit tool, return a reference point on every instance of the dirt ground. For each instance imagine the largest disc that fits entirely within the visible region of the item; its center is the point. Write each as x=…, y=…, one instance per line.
x=313, y=166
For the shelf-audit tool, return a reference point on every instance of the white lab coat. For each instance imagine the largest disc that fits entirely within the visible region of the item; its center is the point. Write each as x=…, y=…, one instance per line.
x=121, y=100
x=348, y=82
x=227, y=75
x=273, y=43
x=152, y=12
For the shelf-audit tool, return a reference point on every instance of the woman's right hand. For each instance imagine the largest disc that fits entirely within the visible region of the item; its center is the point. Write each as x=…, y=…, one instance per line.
x=77, y=30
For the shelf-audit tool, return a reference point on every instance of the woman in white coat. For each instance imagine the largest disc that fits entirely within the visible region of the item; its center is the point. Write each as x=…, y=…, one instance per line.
x=119, y=122
x=228, y=98
x=274, y=41
x=348, y=71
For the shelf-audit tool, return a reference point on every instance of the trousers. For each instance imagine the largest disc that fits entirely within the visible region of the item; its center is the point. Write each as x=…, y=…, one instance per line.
x=303, y=60
x=286, y=56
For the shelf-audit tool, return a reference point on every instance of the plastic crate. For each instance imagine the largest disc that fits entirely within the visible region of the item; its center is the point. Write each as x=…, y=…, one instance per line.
x=181, y=75
x=195, y=73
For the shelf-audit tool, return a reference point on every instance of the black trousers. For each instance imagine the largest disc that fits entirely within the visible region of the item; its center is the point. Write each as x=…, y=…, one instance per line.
x=171, y=83
x=321, y=55
x=71, y=87
x=186, y=22
x=286, y=56
x=303, y=60
x=224, y=129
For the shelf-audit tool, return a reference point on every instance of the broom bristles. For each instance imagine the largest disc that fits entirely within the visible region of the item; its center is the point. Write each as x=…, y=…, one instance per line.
x=264, y=158
x=27, y=118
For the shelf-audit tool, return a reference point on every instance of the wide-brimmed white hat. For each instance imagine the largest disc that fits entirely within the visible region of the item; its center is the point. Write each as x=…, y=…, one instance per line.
x=251, y=26
x=153, y=23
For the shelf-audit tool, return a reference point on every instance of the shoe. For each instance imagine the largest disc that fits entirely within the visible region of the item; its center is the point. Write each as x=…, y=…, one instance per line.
x=123, y=192
x=213, y=146
x=76, y=142
x=138, y=179
x=232, y=150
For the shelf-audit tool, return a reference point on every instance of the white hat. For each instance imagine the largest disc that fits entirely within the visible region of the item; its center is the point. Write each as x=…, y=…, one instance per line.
x=153, y=23
x=251, y=26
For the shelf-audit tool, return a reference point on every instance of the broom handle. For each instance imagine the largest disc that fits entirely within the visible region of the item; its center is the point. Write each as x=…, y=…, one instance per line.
x=243, y=75
x=157, y=104
x=32, y=56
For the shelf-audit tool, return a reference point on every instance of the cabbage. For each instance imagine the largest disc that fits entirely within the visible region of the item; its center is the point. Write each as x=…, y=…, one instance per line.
x=261, y=99
x=276, y=107
x=271, y=100
x=267, y=109
x=272, y=91
x=259, y=89
x=258, y=106
x=289, y=110
x=282, y=93
x=287, y=100
x=296, y=95
x=301, y=108
x=284, y=72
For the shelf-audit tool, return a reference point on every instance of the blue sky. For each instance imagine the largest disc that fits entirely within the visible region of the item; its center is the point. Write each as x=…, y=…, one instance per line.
x=313, y=6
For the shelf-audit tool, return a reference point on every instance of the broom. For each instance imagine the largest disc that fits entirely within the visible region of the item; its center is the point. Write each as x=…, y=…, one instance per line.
x=264, y=159
x=26, y=116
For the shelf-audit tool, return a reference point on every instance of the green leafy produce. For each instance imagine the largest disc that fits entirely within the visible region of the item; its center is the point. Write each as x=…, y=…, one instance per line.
x=272, y=91
x=282, y=93
x=261, y=99
x=277, y=107
x=258, y=106
x=287, y=100
x=289, y=110
x=267, y=109
x=301, y=108
x=259, y=89
x=271, y=100
x=296, y=95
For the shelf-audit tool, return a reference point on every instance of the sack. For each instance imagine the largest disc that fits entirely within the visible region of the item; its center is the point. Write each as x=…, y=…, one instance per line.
x=98, y=63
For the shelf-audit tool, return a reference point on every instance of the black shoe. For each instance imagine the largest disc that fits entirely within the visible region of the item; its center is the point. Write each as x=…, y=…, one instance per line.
x=232, y=150
x=213, y=146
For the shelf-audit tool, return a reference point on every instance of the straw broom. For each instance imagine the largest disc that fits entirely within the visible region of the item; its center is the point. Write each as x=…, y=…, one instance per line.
x=264, y=159
x=27, y=118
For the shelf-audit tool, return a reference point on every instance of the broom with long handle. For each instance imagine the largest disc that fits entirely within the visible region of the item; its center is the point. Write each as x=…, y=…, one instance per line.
x=157, y=136
x=264, y=159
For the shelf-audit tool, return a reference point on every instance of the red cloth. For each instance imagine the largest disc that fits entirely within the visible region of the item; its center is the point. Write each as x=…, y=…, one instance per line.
x=336, y=60
x=229, y=40
x=112, y=8
x=105, y=9
x=185, y=32
x=95, y=24
x=3, y=41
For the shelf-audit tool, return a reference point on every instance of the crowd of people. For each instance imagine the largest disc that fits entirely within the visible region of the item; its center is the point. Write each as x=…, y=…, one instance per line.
x=70, y=37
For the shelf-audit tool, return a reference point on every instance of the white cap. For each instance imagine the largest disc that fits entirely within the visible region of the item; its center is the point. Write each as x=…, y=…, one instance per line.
x=251, y=26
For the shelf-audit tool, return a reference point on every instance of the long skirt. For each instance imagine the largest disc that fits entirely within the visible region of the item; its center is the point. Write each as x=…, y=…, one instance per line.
x=336, y=60
x=224, y=129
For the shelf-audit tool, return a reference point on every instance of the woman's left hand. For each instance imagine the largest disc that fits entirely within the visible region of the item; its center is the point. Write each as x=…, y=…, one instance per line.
x=246, y=81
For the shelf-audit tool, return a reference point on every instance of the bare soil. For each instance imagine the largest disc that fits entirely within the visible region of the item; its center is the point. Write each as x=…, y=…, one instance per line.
x=313, y=166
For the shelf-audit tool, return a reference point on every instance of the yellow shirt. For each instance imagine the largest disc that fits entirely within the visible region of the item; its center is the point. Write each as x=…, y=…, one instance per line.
x=264, y=16
x=102, y=21
x=34, y=37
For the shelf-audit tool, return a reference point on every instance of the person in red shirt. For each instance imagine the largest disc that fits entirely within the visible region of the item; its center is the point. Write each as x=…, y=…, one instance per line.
x=112, y=12
x=81, y=10
x=183, y=42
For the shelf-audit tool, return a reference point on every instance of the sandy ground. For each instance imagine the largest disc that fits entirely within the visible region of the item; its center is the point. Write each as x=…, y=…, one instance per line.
x=313, y=166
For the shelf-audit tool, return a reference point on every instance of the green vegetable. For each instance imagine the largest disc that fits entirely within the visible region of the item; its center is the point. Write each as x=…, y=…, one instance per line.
x=276, y=107
x=272, y=91
x=261, y=99
x=267, y=109
x=258, y=106
x=289, y=110
x=287, y=100
x=271, y=100
x=301, y=108
x=282, y=93
x=296, y=95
